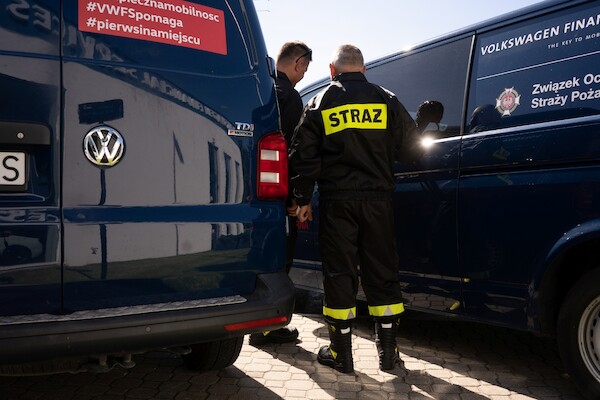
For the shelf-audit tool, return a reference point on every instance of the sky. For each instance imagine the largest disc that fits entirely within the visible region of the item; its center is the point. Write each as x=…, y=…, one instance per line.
x=377, y=27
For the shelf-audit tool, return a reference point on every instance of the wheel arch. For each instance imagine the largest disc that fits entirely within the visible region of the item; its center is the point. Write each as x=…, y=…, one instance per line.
x=573, y=255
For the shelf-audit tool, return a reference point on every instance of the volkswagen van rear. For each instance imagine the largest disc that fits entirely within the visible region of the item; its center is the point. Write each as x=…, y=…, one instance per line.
x=142, y=173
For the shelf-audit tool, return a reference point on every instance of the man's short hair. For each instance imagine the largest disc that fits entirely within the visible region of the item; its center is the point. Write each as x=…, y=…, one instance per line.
x=292, y=51
x=348, y=57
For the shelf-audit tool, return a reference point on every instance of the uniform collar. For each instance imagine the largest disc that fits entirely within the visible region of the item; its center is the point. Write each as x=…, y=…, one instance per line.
x=350, y=76
x=282, y=75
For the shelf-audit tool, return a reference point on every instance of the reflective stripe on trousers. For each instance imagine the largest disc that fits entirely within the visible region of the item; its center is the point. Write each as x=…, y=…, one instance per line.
x=342, y=314
x=386, y=310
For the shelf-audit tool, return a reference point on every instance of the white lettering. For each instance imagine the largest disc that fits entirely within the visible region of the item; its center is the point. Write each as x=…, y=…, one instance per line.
x=539, y=88
x=541, y=34
x=540, y=102
x=591, y=78
x=583, y=96
x=583, y=23
x=180, y=8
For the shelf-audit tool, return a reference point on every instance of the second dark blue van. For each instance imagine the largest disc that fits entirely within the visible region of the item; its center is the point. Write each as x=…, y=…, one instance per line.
x=499, y=220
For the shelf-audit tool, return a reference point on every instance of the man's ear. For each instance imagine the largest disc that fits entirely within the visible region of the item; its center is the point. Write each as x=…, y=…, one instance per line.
x=364, y=70
x=332, y=70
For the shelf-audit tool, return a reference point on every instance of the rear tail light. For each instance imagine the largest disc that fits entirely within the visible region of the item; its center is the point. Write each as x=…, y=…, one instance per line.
x=255, y=324
x=272, y=167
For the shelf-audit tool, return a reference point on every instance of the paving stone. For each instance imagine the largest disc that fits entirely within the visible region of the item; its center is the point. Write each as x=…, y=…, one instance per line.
x=442, y=360
x=491, y=390
x=464, y=381
x=141, y=393
x=93, y=390
x=372, y=395
x=353, y=387
x=299, y=384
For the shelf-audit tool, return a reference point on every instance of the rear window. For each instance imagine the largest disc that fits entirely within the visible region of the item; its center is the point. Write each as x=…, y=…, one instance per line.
x=307, y=95
x=203, y=36
x=537, y=71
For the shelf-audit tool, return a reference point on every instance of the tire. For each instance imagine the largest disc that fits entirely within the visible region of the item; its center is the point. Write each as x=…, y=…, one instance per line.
x=213, y=355
x=578, y=334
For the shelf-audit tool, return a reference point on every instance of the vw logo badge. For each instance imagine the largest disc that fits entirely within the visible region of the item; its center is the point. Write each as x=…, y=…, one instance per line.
x=103, y=146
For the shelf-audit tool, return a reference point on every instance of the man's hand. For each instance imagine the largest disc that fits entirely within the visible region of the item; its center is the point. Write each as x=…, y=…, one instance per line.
x=305, y=213
x=292, y=209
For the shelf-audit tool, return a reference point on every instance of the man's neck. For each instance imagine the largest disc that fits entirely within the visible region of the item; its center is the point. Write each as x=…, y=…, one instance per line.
x=289, y=76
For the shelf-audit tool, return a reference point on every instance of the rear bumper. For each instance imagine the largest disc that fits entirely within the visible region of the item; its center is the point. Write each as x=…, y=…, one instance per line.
x=135, y=333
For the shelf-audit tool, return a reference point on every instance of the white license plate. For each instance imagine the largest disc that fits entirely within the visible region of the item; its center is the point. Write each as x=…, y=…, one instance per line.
x=12, y=168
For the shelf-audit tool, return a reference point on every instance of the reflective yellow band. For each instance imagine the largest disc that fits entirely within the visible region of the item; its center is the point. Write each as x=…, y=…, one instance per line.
x=343, y=314
x=357, y=116
x=387, y=310
x=333, y=353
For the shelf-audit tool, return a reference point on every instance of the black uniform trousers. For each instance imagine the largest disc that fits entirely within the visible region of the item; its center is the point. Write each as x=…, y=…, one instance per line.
x=359, y=232
x=290, y=242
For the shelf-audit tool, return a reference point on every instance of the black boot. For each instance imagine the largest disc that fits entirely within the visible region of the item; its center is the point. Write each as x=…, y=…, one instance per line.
x=385, y=339
x=282, y=335
x=338, y=354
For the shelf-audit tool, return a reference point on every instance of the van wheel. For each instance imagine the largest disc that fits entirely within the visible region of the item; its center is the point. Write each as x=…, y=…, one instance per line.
x=579, y=334
x=215, y=355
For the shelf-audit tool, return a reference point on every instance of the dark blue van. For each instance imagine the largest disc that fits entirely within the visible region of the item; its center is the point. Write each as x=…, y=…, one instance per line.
x=499, y=220
x=142, y=173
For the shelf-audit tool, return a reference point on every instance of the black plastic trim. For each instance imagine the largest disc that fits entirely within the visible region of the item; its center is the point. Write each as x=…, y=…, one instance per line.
x=24, y=133
x=273, y=297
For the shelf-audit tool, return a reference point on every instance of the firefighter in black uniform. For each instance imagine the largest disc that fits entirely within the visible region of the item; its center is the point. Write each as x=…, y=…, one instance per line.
x=292, y=63
x=348, y=138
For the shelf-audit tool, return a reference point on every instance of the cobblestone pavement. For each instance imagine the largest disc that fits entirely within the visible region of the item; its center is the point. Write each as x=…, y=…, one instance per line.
x=443, y=360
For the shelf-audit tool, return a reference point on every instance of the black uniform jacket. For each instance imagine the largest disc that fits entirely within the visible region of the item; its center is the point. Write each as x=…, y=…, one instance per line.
x=348, y=138
x=290, y=105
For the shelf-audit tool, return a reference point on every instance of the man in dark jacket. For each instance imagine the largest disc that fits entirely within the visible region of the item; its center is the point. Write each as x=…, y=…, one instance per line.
x=292, y=62
x=348, y=139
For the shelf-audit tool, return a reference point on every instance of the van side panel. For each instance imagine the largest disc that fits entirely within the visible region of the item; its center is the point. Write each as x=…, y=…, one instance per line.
x=529, y=165
x=30, y=275
x=425, y=197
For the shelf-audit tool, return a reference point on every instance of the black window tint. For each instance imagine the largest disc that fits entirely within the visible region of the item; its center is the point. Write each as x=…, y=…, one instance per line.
x=536, y=71
x=306, y=96
x=228, y=180
x=437, y=73
x=214, y=172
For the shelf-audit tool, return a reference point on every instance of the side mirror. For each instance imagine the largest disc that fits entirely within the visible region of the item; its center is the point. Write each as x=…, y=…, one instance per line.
x=431, y=128
x=429, y=112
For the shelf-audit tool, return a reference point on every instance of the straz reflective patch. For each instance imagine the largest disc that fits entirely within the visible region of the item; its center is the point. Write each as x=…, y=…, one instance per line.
x=355, y=116
x=174, y=22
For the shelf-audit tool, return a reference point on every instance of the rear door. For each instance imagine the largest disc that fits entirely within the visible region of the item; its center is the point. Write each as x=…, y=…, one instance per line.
x=30, y=275
x=306, y=271
x=162, y=109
